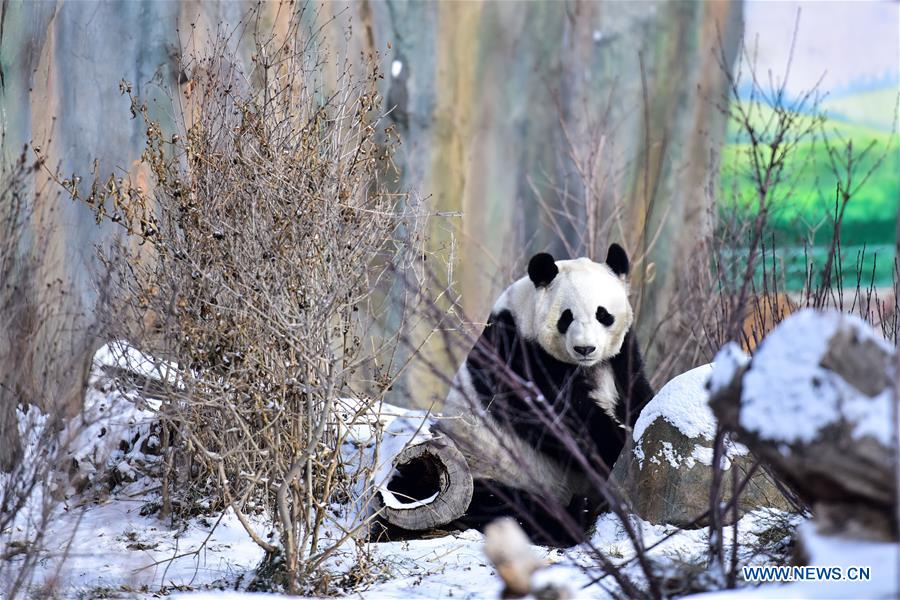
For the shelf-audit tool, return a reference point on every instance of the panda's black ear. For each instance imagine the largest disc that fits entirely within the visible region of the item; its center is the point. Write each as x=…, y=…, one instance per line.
x=617, y=260
x=542, y=269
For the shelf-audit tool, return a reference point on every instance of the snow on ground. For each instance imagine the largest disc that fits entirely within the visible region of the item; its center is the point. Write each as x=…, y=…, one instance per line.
x=111, y=545
x=111, y=548
x=450, y=566
x=882, y=558
x=103, y=541
x=92, y=444
x=455, y=566
x=122, y=355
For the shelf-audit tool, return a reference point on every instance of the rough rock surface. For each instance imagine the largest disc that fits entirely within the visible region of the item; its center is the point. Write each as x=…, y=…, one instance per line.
x=816, y=403
x=667, y=475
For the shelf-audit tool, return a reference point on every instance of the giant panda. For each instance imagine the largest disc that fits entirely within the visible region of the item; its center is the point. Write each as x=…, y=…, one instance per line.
x=556, y=372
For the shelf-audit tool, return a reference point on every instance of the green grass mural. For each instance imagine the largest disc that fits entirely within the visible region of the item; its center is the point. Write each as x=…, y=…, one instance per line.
x=802, y=208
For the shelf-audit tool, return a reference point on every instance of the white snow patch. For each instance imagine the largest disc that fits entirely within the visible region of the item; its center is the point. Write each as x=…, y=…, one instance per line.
x=106, y=543
x=704, y=456
x=113, y=545
x=871, y=417
x=124, y=356
x=699, y=454
x=683, y=403
x=391, y=501
x=670, y=455
x=396, y=68
x=728, y=360
x=788, y=397
x=559, y=578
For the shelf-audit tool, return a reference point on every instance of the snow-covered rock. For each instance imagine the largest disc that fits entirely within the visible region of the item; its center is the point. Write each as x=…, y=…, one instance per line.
x=790, y=394
x=816, y=405
x=668, y=473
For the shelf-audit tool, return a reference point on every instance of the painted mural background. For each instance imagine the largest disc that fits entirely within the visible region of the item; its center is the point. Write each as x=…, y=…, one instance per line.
x=495, y=103
x=850, y=53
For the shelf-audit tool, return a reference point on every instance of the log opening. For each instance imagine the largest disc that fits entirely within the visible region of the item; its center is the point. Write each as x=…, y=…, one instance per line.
x=416, y=480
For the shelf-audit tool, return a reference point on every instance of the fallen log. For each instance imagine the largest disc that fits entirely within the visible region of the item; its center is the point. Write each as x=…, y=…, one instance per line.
x=816, y=405
x=431, y=486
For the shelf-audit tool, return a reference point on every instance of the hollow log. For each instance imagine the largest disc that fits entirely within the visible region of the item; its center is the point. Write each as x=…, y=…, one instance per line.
x=843, y=468
x=431, y=486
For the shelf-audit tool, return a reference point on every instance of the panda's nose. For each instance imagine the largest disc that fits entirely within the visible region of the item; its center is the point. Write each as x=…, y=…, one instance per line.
x=584, y=350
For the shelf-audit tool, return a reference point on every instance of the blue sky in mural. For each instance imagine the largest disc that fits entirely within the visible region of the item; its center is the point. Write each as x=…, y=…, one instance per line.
x=852, y=46
x=851, y=51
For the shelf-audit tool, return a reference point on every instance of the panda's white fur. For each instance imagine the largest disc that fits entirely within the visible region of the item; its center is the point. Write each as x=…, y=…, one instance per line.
x=581, y=285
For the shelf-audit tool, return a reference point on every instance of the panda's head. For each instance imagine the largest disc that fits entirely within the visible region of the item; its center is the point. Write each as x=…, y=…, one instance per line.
x=580, y=309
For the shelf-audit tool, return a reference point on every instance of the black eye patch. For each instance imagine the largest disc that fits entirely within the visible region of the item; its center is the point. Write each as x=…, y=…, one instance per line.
x=564, y=321
x=604, y=317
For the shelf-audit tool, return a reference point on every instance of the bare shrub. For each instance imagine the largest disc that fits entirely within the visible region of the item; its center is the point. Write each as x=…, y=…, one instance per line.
x=741, y=270
x=22, y=475
x=265, y=233
x=15, y=274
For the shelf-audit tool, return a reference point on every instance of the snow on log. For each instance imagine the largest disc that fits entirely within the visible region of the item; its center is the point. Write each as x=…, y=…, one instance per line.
x=816, y=404
x=431, y=486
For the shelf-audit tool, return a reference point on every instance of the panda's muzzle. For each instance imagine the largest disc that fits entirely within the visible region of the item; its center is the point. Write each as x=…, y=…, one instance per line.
x=584, y=350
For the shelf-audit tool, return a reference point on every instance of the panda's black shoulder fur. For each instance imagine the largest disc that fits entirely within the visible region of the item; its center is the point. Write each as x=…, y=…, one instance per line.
x=545, y=401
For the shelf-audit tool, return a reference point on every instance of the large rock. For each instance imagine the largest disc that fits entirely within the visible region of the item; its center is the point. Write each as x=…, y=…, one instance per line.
x=667, y=475
x=817, y=404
